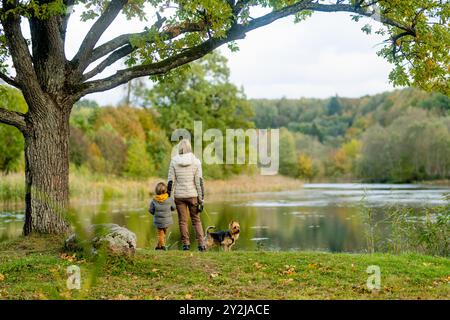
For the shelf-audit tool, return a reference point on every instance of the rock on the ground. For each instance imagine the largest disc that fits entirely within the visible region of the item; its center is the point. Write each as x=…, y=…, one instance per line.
x=117, y=240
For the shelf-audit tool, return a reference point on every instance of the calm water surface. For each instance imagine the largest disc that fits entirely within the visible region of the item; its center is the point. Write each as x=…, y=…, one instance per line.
x=323, y=217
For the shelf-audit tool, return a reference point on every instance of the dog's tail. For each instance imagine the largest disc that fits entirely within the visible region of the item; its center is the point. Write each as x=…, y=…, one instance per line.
x=210, y=227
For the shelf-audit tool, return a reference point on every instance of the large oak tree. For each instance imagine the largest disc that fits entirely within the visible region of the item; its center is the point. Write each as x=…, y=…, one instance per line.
x=417, y=38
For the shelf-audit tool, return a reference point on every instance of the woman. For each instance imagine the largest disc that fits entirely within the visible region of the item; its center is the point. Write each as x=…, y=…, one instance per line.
x=186, y=182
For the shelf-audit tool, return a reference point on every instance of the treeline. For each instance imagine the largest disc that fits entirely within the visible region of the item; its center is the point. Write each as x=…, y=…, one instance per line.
x=391, y=137
x=135, y=141
x=397, y=136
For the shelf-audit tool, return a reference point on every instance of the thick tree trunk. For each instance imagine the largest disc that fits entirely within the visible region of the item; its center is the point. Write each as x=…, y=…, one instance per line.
x=47, y=172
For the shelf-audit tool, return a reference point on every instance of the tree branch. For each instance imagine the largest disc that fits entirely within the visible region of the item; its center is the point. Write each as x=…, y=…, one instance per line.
x=96, y=31
x=161, y=67
x=124, y=48
x=18, y=47
x=65, y=19
x=9, y=80
x=13, y=118
x=121, y=41
x=237, y=31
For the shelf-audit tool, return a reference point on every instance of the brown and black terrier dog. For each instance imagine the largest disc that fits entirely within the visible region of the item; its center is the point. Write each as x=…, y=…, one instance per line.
x=225, y=239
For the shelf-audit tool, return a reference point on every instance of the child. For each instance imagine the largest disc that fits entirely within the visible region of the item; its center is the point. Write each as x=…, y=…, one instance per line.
x=161, y=208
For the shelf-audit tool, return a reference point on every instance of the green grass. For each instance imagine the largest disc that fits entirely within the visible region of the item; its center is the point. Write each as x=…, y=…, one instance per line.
x=36, y=269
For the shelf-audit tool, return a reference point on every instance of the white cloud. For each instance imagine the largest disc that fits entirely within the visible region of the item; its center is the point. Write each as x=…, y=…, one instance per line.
x=325, y=55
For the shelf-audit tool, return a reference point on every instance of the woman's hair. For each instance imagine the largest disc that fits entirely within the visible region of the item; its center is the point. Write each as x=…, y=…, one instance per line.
x=184, y=146
x=161, y=188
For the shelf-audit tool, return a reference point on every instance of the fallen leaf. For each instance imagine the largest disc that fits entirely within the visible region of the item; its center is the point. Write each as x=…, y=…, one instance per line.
x=68, y=257
x=287, y=281
x=121, y=297
x=214, y=275
x=188, y=296
x=259, y=266
x=155, y=270
x=290, y=270
x=2, y=277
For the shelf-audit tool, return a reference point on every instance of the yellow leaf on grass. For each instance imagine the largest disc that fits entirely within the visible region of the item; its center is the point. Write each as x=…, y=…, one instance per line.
x=67, y=257
x=290, y=270
x=188, y=296
x=2, y=277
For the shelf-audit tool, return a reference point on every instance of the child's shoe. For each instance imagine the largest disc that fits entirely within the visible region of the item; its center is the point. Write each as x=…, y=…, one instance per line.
x=201, y=248
x=160, y=248
x=186, y=247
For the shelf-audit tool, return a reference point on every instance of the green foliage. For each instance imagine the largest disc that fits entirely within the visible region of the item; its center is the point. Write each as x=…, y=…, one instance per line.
x=334, y=106
x=12, y=142
x=288, y=157
x=413, y=147
x=113, y=149
x=118, y=141
x=421, y=56
x=138, y=161
x=426, y=231
x=402, y=229
x=201, y=93
x=399, y=136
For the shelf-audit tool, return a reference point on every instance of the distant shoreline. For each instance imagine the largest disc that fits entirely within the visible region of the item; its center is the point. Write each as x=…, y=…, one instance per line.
x=98, y=188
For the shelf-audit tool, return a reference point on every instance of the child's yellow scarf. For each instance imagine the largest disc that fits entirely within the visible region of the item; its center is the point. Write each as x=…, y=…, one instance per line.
x=162, y=197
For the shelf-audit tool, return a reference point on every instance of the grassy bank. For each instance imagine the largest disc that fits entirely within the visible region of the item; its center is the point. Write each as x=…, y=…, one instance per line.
x=36, y=269
x=92, y=187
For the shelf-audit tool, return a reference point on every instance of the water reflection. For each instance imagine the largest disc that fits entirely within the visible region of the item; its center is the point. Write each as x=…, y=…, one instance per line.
x=318, y=217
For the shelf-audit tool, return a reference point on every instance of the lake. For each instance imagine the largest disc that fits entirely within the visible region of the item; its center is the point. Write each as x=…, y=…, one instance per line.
x=320, y=217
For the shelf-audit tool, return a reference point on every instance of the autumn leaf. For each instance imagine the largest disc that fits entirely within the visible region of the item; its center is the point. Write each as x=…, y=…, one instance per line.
x=188, y=296
x=287, y=281
x=2, y=277
x=290, y=270
x=259, y=266
x=67, y=257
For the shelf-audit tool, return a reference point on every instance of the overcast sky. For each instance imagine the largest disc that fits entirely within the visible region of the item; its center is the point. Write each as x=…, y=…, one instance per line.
x=325, y=55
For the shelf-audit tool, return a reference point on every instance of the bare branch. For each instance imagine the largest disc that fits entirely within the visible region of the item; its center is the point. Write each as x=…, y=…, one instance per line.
x=9, y=80
x=112, y=58
x=96, y=31
x=13, y=118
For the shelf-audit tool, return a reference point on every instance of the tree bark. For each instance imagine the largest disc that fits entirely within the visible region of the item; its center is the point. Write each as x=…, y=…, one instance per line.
x=47, y=171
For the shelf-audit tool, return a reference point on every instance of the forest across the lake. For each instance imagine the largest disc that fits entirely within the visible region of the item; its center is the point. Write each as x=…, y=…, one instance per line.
x=399, y=136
